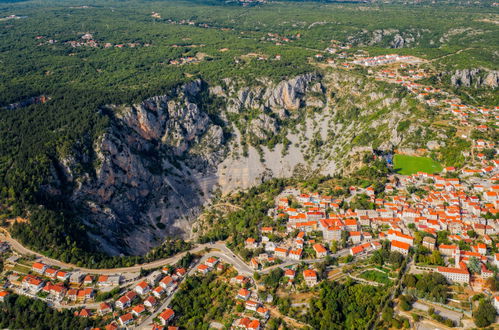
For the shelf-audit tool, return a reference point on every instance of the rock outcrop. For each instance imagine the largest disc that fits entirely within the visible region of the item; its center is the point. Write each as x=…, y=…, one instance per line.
x=475, y=78
x=161, y=160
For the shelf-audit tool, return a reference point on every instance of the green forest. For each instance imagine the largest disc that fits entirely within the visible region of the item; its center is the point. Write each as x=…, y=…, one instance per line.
x=21, y=312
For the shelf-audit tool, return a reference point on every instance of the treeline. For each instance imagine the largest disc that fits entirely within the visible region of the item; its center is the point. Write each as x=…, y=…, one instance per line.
x=21, y=312
x=58, y=237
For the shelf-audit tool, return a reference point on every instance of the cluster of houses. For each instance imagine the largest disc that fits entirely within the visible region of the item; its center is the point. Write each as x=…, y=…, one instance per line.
x=386, y=59
x=59, y=284
x=146, y=295
x=457, y=204
x=435, y=97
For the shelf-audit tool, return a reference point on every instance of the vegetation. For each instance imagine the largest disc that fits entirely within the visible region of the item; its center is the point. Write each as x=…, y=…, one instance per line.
x=38, y=60
x=21, y=312
x=431, y=286
x=408, y=165
x=53, y=234
x=201, y=300
x=376, y=276
x=345, y=306
x=485, y=314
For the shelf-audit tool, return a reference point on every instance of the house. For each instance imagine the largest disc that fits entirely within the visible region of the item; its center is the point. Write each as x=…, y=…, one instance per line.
x=355, y=250
x=125, y=319
x=320, y=250
x=203, y=269
x=482, y=248
x=50, y=272
x=243, y=294
x=89, y=293
x=250, y=243
x=429, y=243
x=448, y=250
x=88, y=280
x=310, y=277
x=103, y=280
x=142, y=288
x=85, y=312
x=263, y=312
x=3, y=295
x=39, y=268
x=295, y=254
x=289, y=273
x=105, y=308
x=76, y=278
x=211, y=262
x=62, y=276
x=72, y=294
x=496, y=303
x=401, y=247
x=280, y=252
x=159, y=291
x=150, y=302
x=166, y=316
x=123, y=302
x=355, y=236
x=137, y=310
x=252, y=305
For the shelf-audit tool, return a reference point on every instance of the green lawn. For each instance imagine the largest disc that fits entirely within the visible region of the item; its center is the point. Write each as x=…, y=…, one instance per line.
x=375, y=276
x=411, y=164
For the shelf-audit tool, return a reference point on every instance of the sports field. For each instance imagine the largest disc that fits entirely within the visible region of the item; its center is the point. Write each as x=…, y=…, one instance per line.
x=408, y=165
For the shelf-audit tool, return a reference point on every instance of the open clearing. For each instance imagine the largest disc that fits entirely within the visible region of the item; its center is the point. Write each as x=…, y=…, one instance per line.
x=408, y=165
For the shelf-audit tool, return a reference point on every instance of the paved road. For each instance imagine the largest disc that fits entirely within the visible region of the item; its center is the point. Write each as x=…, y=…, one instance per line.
x=18, y=247
x=444, y=312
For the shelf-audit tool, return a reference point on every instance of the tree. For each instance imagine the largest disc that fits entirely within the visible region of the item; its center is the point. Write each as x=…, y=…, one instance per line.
x=475, y=265
x=485, y=314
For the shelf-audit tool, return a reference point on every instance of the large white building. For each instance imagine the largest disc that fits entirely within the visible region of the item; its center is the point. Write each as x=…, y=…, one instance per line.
x=459, y=275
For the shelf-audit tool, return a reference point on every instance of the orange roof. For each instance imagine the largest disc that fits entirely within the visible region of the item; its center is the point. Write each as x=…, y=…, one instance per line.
x=309, y=273
x=319, y=248
x=452, y=270
x=400, y=245
x=357, y=249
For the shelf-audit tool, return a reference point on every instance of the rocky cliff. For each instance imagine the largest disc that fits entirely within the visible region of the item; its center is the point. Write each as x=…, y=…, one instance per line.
x=161, y=160
x=474, y=78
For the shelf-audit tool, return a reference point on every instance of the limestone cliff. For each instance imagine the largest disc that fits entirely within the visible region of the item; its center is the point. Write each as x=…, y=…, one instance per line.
x=161, y=160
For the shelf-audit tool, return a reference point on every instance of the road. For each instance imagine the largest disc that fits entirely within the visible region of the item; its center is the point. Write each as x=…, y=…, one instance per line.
x=19, y=248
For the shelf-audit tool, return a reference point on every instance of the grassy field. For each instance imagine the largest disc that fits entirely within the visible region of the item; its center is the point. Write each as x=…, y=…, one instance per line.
x=373, y=275
x=411, y=164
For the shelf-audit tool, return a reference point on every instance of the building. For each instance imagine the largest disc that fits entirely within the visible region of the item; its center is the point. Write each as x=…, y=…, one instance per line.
x=142, y=288
x=459, y=275
x=310, y=277
x=125, y=319
x=401, y=247
x=429, y=243
x=166, y=316
x=39, y=268
x=320, y=250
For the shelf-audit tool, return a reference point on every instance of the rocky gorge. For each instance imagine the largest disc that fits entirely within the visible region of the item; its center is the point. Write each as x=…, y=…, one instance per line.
x=161, y=160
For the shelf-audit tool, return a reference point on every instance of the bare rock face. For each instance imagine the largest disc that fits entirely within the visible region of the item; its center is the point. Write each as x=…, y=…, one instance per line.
x=152, y=162
x=162, y=159
x=475, y=78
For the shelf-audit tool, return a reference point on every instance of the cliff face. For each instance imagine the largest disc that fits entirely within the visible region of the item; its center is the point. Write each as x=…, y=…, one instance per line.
x=475, y=78
x=161, y=160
